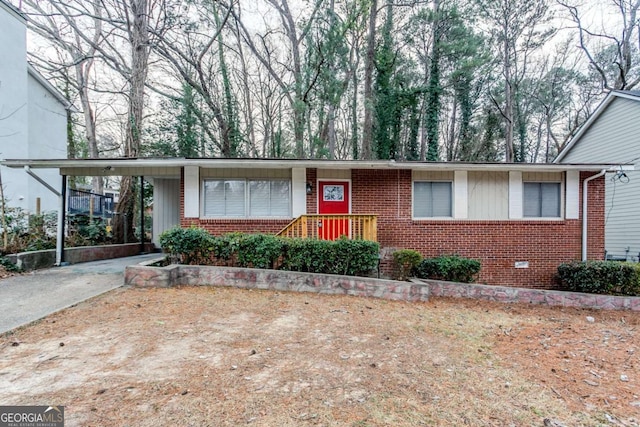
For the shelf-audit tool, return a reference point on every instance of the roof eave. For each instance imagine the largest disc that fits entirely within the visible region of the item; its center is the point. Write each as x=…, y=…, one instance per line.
x=111, y=165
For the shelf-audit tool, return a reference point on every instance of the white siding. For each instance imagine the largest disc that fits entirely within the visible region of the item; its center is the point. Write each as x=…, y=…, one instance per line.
x=612, y=138
x=488, y=195
x=433, y=175
x=622, y=215
x=298, y=192
x=246, y=173
x=615, y=138
x=191, y=192
x=515, y=195
x=461, y=195
x=572, y=195
x=166, y=206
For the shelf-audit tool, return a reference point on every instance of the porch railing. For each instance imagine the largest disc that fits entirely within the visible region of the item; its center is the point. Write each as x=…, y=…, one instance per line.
x=331, y=227
x=92, y=204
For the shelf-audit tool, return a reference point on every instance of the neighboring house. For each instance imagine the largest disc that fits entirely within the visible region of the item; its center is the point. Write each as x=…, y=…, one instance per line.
x=612, y=135
x=33, y=117
x=520, y=220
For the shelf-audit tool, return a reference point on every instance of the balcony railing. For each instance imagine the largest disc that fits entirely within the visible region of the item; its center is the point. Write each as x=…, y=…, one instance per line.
x=332, y=227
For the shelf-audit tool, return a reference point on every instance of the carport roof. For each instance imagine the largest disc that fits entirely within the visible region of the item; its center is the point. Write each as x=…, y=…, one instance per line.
x=153, y=166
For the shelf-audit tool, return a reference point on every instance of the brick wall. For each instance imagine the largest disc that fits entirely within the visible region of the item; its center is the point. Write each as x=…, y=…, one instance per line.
x=497, y=244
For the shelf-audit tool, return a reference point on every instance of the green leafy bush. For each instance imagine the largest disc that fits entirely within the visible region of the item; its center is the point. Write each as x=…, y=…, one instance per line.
x=601, y=277
x=258, y=250
x=405, y=262
x=187, y=245
x=343, y=256
x=8, y=265
x=452, y=268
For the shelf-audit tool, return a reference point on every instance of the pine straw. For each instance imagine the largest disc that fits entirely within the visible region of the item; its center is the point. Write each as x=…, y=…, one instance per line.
x=229, y=357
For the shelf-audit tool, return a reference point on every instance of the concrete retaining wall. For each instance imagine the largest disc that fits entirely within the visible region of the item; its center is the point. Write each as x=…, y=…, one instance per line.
x=35, y=260
x=145, y=275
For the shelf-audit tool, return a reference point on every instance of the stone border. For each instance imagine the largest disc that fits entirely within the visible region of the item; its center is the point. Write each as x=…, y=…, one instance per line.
x=530, y=296
x=146, y=275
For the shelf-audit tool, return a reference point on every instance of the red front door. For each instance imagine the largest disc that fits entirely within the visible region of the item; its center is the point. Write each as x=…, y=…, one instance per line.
x=333, y=198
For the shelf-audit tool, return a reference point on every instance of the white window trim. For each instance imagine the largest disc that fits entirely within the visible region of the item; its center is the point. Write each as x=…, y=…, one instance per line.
x=561, y=201
x=246, y=199
x=431, y=218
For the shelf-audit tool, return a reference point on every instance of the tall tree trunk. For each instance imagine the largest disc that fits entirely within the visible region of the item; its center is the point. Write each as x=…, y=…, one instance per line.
x=139, y=40
x=369, y=102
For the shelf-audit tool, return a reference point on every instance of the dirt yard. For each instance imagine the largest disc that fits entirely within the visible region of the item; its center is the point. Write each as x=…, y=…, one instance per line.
x=229, y=357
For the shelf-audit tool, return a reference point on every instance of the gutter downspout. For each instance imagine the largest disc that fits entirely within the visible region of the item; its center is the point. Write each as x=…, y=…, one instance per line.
x=585, y=184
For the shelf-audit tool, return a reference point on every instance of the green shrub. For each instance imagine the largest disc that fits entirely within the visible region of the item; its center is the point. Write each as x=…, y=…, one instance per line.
x=343, y=256
x=187, y=245
x=405, y=262
x=452, y=268
x=258, y=250
x=601, y=277
x=8, y=265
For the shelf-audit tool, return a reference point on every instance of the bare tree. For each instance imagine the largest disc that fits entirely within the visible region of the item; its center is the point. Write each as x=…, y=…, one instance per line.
x=65, y=26
x=613, y=56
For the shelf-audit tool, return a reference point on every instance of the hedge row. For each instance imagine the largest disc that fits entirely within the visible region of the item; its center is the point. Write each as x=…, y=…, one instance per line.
x=452, y=268
x=601, y=277
x=196, y=246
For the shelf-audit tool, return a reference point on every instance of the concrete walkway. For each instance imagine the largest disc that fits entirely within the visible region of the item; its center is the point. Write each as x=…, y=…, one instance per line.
x=32, y=296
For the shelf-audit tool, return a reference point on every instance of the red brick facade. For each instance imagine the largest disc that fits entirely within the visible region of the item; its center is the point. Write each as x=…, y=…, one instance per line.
x=497, y=244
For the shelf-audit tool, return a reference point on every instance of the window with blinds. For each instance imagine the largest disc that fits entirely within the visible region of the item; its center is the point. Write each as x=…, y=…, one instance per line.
x=247, y=198
x=541, y=199
x=432, y=199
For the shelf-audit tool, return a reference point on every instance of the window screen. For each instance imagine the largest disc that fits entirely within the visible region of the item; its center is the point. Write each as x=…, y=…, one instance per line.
x=431, y=199
x=541, y=199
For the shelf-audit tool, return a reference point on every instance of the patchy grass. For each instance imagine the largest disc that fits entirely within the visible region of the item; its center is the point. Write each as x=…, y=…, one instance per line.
x=229, y=357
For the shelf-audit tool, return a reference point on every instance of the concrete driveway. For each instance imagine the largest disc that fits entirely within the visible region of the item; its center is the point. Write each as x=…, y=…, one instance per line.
x=32, y=296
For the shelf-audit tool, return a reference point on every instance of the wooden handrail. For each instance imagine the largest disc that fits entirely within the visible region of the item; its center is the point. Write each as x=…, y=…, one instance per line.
x=332, y=226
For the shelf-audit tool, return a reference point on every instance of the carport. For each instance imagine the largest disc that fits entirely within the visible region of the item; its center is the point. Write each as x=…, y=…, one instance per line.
x=163, y=174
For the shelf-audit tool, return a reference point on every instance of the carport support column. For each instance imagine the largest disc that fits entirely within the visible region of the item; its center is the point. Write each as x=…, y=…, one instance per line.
x=141, y=214
x=62, y=208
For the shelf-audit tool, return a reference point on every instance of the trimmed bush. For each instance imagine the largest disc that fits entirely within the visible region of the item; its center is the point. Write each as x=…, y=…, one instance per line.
x=187, y=245
x=258, y=250
x=601, y=277
x=452, y=268
x=405, y=262
x=343, y=256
